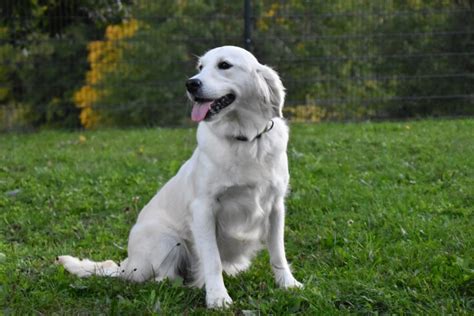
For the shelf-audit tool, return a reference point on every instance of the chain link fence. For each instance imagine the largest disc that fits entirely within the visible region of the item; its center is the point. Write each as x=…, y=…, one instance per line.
x=120, y=63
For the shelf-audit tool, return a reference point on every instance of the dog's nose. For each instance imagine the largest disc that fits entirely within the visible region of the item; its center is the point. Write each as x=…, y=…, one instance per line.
x=193, y=85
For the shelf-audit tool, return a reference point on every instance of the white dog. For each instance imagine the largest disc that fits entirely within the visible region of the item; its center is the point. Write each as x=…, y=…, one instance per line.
x=225, y=201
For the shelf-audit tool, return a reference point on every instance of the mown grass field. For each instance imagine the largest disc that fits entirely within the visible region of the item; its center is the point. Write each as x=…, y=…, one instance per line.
x=379, y=220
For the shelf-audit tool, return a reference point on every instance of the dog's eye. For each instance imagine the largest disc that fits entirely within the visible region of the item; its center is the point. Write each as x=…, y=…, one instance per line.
x=200, y=67
x=224, y=65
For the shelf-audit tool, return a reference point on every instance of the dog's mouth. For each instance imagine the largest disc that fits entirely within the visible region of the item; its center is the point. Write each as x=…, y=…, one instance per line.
x=204, y=109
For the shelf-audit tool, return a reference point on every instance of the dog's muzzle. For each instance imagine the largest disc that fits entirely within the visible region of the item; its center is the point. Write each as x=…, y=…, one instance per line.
x=205, y=108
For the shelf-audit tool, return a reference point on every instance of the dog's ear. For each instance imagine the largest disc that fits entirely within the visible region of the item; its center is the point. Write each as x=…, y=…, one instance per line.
x=271, y=88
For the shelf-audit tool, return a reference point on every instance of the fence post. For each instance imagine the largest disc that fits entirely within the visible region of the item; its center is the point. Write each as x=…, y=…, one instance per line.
x=247, y=25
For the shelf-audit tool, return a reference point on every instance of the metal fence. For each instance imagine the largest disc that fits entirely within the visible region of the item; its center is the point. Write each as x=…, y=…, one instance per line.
x=124, y=63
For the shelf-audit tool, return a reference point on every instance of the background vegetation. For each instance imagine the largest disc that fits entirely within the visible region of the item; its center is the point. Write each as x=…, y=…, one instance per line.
x=119, y=63
x=380, y=221
x=43, y=58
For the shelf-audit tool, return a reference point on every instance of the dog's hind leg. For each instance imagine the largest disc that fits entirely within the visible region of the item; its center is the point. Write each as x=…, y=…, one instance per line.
x=153, y=253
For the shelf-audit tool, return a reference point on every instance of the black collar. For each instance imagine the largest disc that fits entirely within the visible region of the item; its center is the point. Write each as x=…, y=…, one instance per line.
x=243, y=138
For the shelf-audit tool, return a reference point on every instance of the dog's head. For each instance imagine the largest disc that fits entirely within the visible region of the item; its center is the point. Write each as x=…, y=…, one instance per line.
x=232, y=81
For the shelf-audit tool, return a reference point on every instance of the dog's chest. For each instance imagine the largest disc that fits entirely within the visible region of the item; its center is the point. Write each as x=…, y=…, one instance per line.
x=243, y=210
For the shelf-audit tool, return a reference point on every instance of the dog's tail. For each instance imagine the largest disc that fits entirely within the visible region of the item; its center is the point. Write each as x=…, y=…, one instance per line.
x=84, y=268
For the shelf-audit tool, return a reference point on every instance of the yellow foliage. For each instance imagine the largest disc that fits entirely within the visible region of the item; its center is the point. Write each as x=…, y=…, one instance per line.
x=272, y=11
x=89, y=118
x=121, y=31
x=305, y=113
x=86, y=97
x=262, y=23
x=103, y=58
x=82, y=139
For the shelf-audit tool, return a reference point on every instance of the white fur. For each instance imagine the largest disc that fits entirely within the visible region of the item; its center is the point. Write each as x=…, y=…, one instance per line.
x=226, y=200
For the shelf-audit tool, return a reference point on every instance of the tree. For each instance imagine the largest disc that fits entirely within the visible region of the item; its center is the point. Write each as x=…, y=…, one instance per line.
x=41, y=57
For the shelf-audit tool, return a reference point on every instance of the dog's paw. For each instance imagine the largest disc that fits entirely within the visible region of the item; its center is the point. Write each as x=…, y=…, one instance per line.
x=293, y=283
x=287, y=281
x=218, y=299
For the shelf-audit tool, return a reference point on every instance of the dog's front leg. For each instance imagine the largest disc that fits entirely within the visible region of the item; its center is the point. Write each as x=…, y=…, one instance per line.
x=276, y=247
x=204, y=232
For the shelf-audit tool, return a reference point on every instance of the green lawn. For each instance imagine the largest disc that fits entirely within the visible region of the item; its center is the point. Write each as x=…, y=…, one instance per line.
x=379, y=220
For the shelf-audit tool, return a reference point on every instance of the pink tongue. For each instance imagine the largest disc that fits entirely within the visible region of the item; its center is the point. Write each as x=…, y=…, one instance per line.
x=200, y=110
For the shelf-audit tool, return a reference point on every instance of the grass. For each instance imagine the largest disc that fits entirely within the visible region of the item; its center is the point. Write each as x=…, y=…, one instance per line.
x=379, y=220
